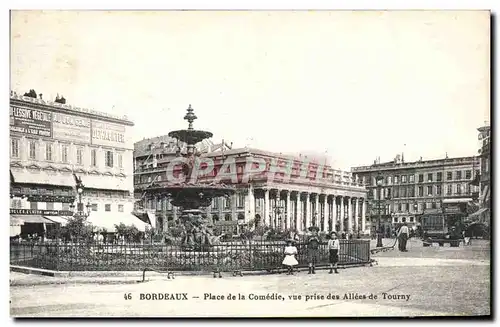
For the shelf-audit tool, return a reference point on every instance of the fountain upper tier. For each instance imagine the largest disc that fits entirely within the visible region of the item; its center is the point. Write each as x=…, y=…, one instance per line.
x=190, y=135
x=190, y=195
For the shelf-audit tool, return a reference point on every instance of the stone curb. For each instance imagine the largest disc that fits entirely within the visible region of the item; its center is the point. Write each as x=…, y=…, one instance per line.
x=99, y=277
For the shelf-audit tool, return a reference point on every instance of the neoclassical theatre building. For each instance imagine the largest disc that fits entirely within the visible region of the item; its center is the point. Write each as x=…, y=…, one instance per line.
x=313, y=194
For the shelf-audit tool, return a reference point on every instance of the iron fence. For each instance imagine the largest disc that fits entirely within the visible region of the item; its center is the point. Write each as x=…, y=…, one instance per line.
x=231, y=256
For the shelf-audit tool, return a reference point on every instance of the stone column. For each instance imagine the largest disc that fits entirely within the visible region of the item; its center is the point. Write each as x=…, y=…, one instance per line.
x=356, y=213
x=325, y=213
x=317, y=211
x=349, y=212
x=220, y=201
x=250, y=204
x=288, y=210
x=308, y=211
x=341, y=214
x=266, y=217
x=298, y=214
x=233, y=206
x=363, y=215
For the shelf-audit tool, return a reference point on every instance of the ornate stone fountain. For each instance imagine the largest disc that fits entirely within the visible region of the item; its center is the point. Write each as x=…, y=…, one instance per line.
x=192, y=196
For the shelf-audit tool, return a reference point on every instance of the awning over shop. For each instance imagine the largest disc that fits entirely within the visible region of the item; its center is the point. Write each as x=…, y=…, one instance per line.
x=477, y=213
x=44, y=177
x=105, y=182
x=463, y=200
x=14, y=221
x=108, y=220
x=32, y=219
x=63, y=220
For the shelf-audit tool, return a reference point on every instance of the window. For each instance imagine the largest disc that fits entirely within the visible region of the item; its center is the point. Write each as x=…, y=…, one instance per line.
x=421, y=178
x=468, y=174
x=227, y=203
x=120, y=160
x=459, y=189
x=15, y=204
x=240, y=200
x=407, y=207
x=396, y=219
x=411, y=191
x=389, y=180
x=50, y=205
x=458, y=174
x=14, y=148
x=412, y=178
x=79, y=156
x=120, y=208
x=109, y=159
x=34, y=205
x=396, y=192
x=403, y=192
x=403, y=219
x=94, y=206
x=93, y=157
x=227, y=217
x=449, y=176
x=438, y=189
x=411, y=219
x=32, y=154
x=467, y=188
x=429, y=177
x=429, y=190
x=388, y=194
x=215, y=203
x=399, y=207
x=65, y=206
x=420, y=191
x=48, y=151
x=396, y=179
x=107, y=207
x=439, y=176
x=403, y=178
x=449, y=189
x=64, y=153
x=433, y=205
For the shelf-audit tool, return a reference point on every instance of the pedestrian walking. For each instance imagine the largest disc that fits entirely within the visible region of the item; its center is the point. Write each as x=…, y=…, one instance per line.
x=313, y=249
x=333, y=249
x=403, y=235
x=290, y=251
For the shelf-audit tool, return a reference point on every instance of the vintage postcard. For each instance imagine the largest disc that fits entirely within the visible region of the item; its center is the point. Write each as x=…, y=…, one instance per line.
x=250, y=163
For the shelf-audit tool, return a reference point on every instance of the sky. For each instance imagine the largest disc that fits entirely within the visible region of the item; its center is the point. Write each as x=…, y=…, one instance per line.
x=349, y=85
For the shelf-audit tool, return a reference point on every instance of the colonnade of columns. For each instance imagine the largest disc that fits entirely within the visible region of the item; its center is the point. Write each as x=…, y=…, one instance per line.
x=288, y=209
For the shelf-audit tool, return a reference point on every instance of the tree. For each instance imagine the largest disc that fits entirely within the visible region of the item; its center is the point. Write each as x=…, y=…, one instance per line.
x=77, y=229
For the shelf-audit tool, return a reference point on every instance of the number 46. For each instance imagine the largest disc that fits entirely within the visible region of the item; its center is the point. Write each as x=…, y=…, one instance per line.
x=128, y=296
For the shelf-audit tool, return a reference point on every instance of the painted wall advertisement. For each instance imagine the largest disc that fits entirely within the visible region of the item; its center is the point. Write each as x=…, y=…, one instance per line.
x=30, y=121
x=71, y=128
x=109, y=134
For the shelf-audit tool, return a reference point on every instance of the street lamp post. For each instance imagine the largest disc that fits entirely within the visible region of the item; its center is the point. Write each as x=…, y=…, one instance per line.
x=80, y=212
x=379, y=180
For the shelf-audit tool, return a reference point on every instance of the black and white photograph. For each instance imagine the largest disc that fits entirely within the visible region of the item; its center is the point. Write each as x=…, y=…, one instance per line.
x=250, y=163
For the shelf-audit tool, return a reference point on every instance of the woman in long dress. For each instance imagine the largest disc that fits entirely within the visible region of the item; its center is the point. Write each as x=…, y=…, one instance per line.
x=290, y=252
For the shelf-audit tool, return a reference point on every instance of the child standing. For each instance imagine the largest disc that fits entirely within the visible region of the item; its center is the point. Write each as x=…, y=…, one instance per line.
x=290, y=252
x=333, y=249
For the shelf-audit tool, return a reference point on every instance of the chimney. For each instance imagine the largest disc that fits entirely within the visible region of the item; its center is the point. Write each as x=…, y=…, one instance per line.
x=41, y=96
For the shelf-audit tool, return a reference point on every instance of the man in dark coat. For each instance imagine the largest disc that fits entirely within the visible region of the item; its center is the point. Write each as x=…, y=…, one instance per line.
x=313, y=243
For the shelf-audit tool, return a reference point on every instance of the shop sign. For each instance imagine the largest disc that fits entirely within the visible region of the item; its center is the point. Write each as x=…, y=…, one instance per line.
x=30, y=121
x=41, y=212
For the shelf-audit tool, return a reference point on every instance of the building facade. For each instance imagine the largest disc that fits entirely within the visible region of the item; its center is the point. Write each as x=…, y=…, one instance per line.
x=327, y=198
x=52, y=144
x=410, y=188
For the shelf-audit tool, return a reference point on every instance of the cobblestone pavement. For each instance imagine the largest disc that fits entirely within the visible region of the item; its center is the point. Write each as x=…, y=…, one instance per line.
x=408, y=284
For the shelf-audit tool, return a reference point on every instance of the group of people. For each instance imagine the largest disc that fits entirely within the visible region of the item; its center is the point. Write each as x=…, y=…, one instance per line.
x=313, y=244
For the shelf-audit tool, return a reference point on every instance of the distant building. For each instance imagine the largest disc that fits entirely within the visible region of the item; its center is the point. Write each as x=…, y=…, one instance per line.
x=51, y=143
x=333, y=201
x=483, y=181
x=410, y=188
